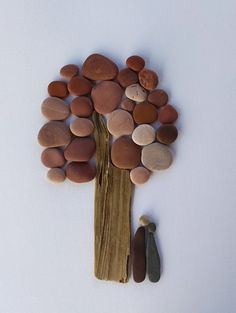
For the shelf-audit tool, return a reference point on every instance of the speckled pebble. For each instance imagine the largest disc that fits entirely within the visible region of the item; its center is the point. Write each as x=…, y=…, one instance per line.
x=139, y=175
x=119, y=123
x=136, y=93
x=148, y=79
x=56, y=175
x=143, y=135
x=82, y=127
x=135, y=63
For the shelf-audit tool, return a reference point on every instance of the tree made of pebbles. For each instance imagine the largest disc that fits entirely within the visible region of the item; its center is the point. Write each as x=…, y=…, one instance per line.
x=115, y=113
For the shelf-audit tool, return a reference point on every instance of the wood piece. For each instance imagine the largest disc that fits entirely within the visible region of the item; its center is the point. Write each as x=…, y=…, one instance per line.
x=113, y=193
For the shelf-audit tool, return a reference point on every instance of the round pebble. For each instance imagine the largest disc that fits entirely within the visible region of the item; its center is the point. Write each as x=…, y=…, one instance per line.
x=158, y=97
x=139, y=175
x=145, y=113
x=156, y=157
x=80, y=172
x=148, y=79
x=55, y=109
x=58, y=89
x=136, y=93
x=68, y=71
x=53, y=157
x=151, y=228
x=167, y=134
x=125, y=153
x=54, y=134
x=82, y=127
x=135, y=63
x=127, y=77
x=79, y=86
x=120, y=122
x=144, y=220
x=106, y=96
x=143, y=135
x=56, y=175
x=80, y=149
x=99, y=67
x=127, y=105
x=168, y=114
x=81, y=106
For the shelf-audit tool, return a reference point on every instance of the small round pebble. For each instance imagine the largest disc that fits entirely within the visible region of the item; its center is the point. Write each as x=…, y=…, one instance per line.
x=135, y=63
x=79, y=86
x=127, y=105
x=54, y=134
x=168, y=114
x=127, y=77
x=167, y=134
x=119, y=123
x=58, y=89
x=151, y=227
x=56, y=175
x=82, y=127
x=156, y=157
x=136, y=93
x=80, y=149
x=143, y=135
x=145, y=113
x=55, y=109
x=81, y=106
x=139, y=175
x=53, y=157
x=158, y=97
x=68, y=71
x=80, y=172
x=148, y=79
x=144, y=220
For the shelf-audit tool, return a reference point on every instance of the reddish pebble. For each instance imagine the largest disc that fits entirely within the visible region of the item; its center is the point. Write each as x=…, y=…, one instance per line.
x=158, y=97
x=56, y=175
x=53, y=157
x=168, y=114
x=148, y=79
x=79, y=86
x=58, y=89
x=135, y=63
x=81, y=106
x=127, y=77
x=68, y=71
x=145, y=113
x=127, y=105
x=80, y=172
x=80, y=149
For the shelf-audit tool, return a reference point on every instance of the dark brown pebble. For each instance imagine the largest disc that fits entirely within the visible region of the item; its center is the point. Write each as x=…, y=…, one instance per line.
x=53, y=157
x=139, y=255
x=127, y=77
x=79, y=86
x=80, y=149
x=135, y=63
x=82, y=107
x=158, y=97
x=145, y=113
x=168, y=114
x=58, y=89
x=80, y=172
x=68, y=71
x=167, y=134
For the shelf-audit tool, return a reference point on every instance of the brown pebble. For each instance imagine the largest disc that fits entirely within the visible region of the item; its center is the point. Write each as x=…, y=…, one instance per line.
x=168, y=114
x=79, y=86
x=120, y=122
x=167, y=134
x=145, y=113
x=139, y=175
x=80, y=149
x=68, y=71
x=80, y=172
x=53, y=157
x=148, y=79
x=139, y=255
x=82, y=127
x=58, y=89
x=55, y=109
x=125, y=153
x=54, y=134
x=99, y=67
x=127, y=105
x=135, y=63
x=158, y=97
x=106, y=96
x=81, y=106
x=127, y=77
x=56, y=175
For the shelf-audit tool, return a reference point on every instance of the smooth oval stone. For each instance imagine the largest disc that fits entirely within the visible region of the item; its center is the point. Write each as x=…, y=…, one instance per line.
x=153, y=259
x=139, y=255
x=158, y=97
x=127, y=105
x=156, y=157
x=143, y=135
x=54, y=134
x=151, y=227
x=99, y=67
x=125, y=153
x=144, y=220
x=168, y=114
x=56, y=175
x=148, y=79
x=136, y=93
x=68, y=71
x=58, y=89
x=135, y=63
x=79, y=86
x=82, y=127
x=145, y=113
x=127, y=77
x=139, y=175
x=120, y=122
x=53, y=157
x=80, y=172
x=81, y=106
x=167, y=134
x=55, y=109
x=80, y=149
x=106, y=96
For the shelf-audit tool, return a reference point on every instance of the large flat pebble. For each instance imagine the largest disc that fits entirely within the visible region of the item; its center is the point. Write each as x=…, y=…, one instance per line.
x=156, y=157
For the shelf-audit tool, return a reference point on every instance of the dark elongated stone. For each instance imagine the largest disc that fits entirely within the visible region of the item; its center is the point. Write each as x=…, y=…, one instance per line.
x=139, y=255
x=153, y=259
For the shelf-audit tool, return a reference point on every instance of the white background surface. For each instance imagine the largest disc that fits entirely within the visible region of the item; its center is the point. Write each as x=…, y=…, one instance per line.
x=46, y=231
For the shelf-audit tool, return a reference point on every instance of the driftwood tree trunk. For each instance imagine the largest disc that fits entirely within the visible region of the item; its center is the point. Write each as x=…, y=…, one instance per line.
x=113, y=196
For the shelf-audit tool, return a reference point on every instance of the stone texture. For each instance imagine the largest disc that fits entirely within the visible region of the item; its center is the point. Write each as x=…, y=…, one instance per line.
x=144, y=220
x=79, y=86
x=81, y=106
x=145, y=113
x=82, y=127
x=127, y=77
x=139, y=255
x=54, y=134
x=55, y=109
x=148, y=79
x=143, y=135
x=167, y=134
x=56, y=175
x=127, y=105
x=139, y=175
x=119, y=123
x=68, y=71
x=58, y=89
x=168, y=114
x=136, y=93
x=80, y=172
x=80, y=149
x=53, y=157
x=135, y=63
x=158, y=97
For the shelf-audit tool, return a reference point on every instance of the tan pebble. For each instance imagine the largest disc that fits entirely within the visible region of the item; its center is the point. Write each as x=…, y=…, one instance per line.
x=54, y=134
x=82, y=127
x=127, y=77
x=148, y=79
x=53, y=157
x=56, y=175
x=79, y=86
x=55, y=109
x=68, y=71
x=81, y=106
x=135, y=63
x=139, y=175
x=144, y=220
x=80, y=172
x=58, y=89
x=127, y=105
x=143, y=135
x=120, y=122
x=136, y=93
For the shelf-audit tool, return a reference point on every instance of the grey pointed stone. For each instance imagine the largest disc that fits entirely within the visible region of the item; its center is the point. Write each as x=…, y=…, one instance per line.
x=153, y=259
